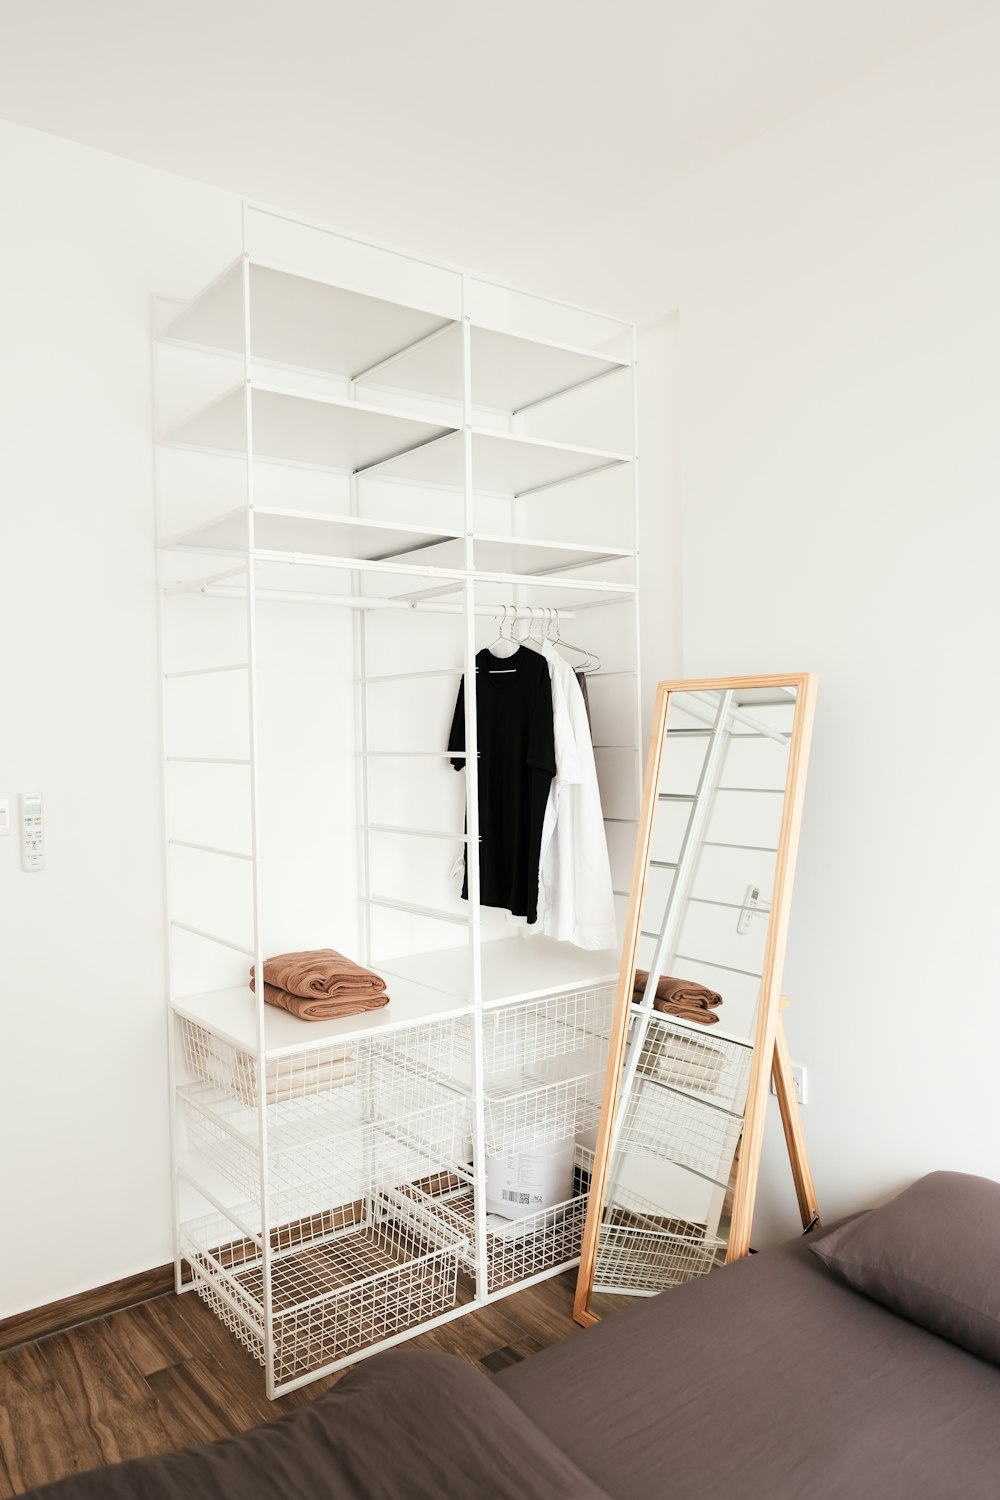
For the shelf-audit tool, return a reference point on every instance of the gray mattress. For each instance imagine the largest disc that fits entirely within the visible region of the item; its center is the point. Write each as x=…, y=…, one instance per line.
x=767, y=1380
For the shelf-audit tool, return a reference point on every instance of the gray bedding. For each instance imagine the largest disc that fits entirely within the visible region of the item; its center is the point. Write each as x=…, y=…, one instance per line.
x=768, y=1380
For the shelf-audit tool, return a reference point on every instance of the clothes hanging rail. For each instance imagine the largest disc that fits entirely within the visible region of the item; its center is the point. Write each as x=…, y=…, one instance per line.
x=199, y=585
x=361, y=601
x=456, y=576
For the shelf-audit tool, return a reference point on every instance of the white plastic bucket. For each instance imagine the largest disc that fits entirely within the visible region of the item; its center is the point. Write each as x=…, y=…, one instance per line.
x=527, y=1181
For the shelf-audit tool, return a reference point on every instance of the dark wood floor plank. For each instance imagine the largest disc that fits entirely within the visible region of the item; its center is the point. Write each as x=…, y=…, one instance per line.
x=546, y=1309
x=154, y=1336
x=108, y=1395
x=492, y=1327
x=512, y=1354
x=41, y=1438
x=177, y=1390
x=214, y=1406
x=214, y=1338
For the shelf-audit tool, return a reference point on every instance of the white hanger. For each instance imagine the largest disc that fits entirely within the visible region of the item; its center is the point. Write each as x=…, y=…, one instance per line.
x=533, y=634
x=592, y=662
x=505, y=645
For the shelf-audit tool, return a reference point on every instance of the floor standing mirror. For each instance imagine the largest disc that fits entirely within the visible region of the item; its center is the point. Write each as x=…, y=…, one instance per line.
x=697, y=1033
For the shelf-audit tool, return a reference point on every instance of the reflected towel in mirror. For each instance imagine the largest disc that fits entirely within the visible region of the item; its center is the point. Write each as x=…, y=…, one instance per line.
x=679, y=997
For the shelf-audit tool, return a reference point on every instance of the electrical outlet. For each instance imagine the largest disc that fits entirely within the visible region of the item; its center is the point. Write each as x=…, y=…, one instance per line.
x=798, y=1083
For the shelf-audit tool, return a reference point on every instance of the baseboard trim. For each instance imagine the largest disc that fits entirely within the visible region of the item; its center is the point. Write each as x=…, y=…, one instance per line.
x=56, y=1317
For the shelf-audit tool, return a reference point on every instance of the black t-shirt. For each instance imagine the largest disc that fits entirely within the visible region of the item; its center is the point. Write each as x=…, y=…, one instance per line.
x=517, y=761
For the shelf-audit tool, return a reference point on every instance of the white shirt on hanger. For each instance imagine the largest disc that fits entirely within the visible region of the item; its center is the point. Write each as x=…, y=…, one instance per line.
x=576, y=902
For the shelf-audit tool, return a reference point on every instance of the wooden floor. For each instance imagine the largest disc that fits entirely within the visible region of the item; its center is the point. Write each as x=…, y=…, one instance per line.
x=166, y=1373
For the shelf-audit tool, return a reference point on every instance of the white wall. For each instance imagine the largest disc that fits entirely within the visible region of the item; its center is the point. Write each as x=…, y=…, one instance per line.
x=839, y=369
x=83, y=1169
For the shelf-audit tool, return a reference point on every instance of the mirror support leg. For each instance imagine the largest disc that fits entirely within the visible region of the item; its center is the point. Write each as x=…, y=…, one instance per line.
x=791, y=1123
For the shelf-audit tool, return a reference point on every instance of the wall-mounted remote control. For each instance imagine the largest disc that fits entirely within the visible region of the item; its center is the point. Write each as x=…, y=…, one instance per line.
x=32, y=837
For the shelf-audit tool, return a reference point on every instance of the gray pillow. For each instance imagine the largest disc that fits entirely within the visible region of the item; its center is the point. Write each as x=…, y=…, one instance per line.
x=933, y=1255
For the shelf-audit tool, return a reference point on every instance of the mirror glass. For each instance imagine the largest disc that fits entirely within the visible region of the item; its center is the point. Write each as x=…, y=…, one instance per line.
x=700, y=965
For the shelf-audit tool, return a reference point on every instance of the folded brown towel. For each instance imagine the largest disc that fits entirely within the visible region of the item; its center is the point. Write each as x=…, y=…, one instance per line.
x=680, y=997
x=320, y=972
x=322, y=1007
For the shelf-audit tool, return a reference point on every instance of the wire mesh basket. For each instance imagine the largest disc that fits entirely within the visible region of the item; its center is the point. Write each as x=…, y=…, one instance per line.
x=337, y=1153
x=516, y=1036
x=640, y=1249
x=516, y=1249
x=523, y=1114
x=683, y=1057
x=337, y=1115
x=341, y=1279
x=671, y=1126
x=310, y=1073
x=392, y=1070
x=438, y=1051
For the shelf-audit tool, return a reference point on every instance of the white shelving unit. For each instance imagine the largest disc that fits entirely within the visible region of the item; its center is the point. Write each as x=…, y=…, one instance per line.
x=364, y=460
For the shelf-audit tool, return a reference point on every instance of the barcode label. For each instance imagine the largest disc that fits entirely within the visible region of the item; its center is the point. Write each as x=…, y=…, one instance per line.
x=510, y=1195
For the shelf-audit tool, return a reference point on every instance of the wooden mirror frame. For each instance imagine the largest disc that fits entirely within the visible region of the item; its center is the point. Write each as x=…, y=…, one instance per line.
x=768, y=1035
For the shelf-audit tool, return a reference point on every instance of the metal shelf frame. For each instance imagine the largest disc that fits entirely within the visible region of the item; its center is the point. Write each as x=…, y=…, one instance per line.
x=459, y=347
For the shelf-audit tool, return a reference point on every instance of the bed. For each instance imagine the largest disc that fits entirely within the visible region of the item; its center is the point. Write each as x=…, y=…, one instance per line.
x=767, y=1380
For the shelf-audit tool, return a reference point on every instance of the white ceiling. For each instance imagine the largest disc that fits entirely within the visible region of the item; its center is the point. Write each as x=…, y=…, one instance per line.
x=477, y=131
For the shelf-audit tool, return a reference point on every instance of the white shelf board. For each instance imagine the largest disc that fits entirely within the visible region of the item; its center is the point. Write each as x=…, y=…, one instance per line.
x=232, y=1014
x=303, y=323
x=498, y=554
x=319, y=430
x=376, y=541
x=513, y=969
x=313, y=325
x=309, y=531
x=520, y=555
x=503, y=463
x=509, y=371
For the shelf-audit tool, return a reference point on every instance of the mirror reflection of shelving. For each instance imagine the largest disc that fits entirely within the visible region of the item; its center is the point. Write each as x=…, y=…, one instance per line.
x=719, y=801
x=722, y=934
x=346, y=506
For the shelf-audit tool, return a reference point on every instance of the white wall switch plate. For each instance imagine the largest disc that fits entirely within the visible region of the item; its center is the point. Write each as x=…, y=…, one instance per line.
x=798, y=1082
x=32, y=835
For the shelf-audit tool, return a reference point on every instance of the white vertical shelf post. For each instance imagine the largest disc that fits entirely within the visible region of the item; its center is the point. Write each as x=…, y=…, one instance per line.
x=472, y=846
x=359, y=628
x=258, y=937
x=172, y=1069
